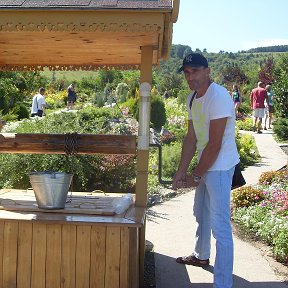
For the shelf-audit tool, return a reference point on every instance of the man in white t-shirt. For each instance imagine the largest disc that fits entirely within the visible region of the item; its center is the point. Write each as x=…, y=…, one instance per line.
x=38, y=104
x=211, y=132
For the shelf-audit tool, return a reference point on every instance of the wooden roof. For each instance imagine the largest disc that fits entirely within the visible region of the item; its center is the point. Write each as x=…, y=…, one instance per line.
x=83, y=34
x=85, y=4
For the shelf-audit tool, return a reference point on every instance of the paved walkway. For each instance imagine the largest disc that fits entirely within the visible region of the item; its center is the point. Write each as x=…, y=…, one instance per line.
x=170, y=228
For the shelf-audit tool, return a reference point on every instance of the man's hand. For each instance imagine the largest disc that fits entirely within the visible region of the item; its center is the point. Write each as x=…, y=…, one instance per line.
x=183, y=181
x=190, y=182
x=179, y=180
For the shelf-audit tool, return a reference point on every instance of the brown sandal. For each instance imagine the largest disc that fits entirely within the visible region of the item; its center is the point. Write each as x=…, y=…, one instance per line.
x=192, y=260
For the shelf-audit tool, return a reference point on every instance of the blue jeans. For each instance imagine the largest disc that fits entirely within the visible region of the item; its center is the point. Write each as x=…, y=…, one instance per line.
x=212, y=212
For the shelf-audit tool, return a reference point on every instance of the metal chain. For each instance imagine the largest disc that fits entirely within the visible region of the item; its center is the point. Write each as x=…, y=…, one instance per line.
x=71, y=144
x=71, y=150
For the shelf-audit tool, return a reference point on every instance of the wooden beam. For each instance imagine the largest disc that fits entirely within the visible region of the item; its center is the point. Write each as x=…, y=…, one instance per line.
x=146, y=64
x=175, y=11
x=60, y=143
x=143, y=155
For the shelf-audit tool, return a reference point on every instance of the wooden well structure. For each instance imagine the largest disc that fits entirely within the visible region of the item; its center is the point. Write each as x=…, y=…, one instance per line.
x=76, y=247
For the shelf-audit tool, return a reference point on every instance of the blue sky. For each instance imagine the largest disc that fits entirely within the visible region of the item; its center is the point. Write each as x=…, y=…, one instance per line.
x=231, y=25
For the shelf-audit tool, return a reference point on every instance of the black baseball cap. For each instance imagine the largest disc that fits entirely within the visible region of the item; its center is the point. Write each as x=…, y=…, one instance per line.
x=194, y=60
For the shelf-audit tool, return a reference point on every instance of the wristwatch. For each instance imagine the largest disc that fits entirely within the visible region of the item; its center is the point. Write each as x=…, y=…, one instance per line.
x=195, y=178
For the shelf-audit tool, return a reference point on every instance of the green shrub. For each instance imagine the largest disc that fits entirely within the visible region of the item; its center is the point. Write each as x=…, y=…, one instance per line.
x=21, y=111
x=245, y=108
x=280, y=127
x=158, y=112
x=10, y=117
x=247, y=149
x=267, y=178
x=182, y=96
x=133, y=106
x=56, y=100
x=176, y=119
x=245, y=124
x=171, y=158
x=264, y=224
x=118, y=173
x=90, y=171
x=250, y=218
x=122, y=90
x=99, y=99
x=280, y=88
x=246, y=196
x=174, y=109
x=280, y=246
x=80, y=166
x=154, y=187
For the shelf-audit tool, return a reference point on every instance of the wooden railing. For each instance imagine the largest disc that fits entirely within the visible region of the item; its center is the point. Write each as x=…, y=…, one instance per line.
x=63, y=143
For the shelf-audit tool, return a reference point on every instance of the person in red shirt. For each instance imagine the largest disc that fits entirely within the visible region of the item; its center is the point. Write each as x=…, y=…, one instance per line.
x=257, y=98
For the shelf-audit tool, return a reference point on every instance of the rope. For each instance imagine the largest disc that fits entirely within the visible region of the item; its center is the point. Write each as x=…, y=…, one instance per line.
x=71, y=150
x=71, y=144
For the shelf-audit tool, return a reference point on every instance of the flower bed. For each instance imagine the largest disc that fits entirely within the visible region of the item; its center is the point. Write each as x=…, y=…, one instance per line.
x=263, y=210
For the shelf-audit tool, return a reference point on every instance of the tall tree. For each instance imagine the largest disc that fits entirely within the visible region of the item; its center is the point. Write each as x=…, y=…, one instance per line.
x=265, y=74
x=280, y=87
x=232, y=74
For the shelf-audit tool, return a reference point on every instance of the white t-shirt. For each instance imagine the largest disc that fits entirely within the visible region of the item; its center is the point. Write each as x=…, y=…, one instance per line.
x=216, y=103
x=37, y=102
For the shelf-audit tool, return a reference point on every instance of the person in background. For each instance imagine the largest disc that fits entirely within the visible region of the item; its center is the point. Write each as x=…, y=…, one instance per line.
x=71, y=97
x=38, y=104
x=257, y=98
x=269, y=110
x=166, y=94
x=211, y=131
x=237, y=99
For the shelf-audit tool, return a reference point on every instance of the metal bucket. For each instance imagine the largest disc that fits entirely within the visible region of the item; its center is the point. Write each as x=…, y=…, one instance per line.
x=50, y=188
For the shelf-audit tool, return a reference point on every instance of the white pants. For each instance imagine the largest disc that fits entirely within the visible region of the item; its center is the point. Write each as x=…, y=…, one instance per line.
x=212, y=212
x=259, y=112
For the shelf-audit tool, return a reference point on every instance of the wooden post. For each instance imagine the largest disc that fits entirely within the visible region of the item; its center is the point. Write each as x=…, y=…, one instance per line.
x=143, y=152
x=143, y=146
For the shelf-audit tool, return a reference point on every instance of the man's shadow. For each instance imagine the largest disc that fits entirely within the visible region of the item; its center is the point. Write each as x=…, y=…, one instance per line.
x=176, y=276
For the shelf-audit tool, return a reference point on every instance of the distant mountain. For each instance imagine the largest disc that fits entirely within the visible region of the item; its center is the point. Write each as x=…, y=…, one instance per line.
x=278, y=48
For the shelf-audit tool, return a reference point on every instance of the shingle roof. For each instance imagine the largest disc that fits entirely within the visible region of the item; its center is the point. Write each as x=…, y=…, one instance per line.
x=84, y=4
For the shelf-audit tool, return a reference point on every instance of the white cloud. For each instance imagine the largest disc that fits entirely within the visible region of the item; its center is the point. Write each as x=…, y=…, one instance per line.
x=263, y=43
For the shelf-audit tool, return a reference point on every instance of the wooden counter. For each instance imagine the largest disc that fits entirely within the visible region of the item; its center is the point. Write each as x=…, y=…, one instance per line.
x=84, y=245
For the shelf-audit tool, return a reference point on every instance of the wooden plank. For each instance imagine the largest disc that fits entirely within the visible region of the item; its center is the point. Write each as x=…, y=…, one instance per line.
x=38, y=256
x=68, y=261
x=24, y=255
x=124, y=258
x=134, y=257
x=33, y=208
x=98, y=254
x=141, y=255
x=1, y=250
x=83, y=256
x=112, y=274
x=53, y=256
x=38, y=217
x=10, y=254
x=55, y=143
x=136, y=214
x=24, y=200
x=142, y=178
